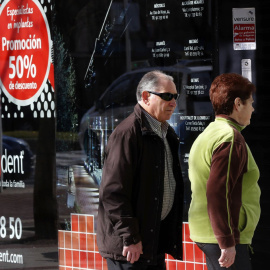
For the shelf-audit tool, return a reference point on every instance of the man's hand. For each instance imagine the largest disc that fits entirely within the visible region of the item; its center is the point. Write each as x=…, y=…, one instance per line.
x=133, y=252
x=227, y=257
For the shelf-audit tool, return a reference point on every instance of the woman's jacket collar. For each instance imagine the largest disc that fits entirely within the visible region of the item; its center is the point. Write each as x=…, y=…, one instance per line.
x=224, y=117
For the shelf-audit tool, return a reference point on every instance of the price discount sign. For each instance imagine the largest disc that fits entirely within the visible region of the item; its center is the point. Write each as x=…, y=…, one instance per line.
x=25, y=53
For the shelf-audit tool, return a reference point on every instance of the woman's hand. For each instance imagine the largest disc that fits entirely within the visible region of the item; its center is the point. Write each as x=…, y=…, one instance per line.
x=227, y=257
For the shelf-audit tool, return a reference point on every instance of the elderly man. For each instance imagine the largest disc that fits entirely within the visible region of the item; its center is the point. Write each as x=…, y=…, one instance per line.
x=141, y=192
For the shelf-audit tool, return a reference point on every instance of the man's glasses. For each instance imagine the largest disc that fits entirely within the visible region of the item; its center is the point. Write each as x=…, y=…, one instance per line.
x=165, y=96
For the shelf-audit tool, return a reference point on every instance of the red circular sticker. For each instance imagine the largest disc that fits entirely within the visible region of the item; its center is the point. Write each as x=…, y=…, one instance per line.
x=25, y=50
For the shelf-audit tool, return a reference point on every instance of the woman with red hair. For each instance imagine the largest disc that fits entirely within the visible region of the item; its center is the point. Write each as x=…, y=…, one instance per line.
x=225, y=208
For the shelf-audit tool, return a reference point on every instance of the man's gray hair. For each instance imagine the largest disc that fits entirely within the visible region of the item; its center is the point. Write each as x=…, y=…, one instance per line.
x=150, y=82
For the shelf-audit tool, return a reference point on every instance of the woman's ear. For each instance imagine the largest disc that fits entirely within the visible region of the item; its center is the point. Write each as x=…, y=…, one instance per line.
x=237, y=103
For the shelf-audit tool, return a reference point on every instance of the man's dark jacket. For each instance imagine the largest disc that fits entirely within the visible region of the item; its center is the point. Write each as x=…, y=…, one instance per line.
x=131, y=192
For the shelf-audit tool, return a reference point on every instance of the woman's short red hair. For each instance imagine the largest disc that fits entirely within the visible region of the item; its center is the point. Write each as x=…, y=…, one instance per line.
x=226, y=88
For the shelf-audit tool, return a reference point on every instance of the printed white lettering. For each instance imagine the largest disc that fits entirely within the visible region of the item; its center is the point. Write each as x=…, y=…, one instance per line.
x=159, y=5
x=12, y=258
x=20, y=11
x=244, y=28
x=12, y=163
x=23, y=44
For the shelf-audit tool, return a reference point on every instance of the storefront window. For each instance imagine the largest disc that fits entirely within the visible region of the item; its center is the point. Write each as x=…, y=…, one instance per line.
x=68, y=76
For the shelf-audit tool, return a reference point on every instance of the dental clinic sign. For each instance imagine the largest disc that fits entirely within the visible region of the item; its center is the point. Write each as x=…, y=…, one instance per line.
x=244, y=30
x=25, y=50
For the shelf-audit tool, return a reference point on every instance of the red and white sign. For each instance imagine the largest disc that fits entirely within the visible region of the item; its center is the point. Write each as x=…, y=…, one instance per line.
x=25, y=52
x=244, y=30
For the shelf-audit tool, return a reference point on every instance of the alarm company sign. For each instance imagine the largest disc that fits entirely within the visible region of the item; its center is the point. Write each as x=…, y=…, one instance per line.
x=244, y=30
